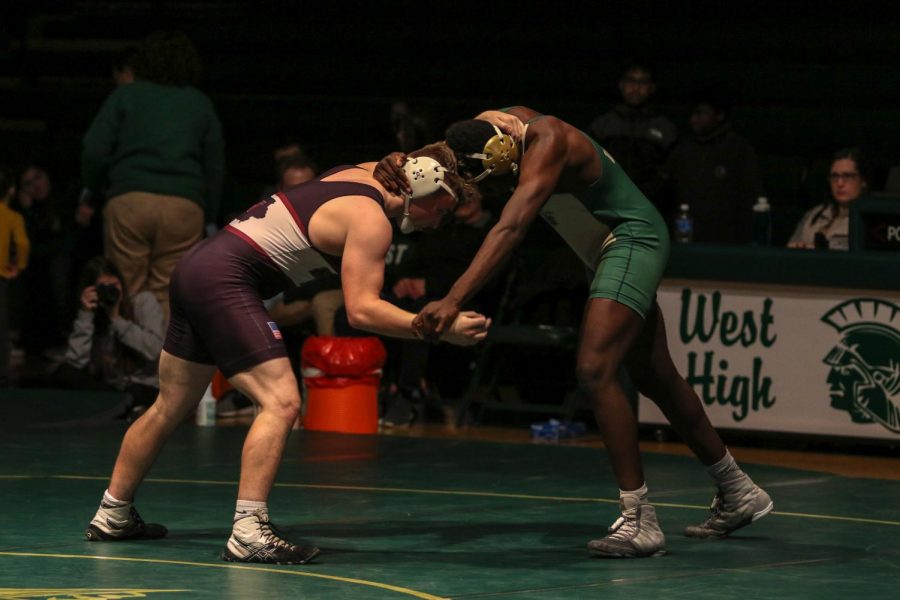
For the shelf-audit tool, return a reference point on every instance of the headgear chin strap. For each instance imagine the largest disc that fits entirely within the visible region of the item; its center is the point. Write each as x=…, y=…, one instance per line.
x=425, y=176
x=499, y=157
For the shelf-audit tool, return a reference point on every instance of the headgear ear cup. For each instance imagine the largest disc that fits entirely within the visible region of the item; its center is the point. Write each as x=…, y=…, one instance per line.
x=425, y=176
x=499, y=157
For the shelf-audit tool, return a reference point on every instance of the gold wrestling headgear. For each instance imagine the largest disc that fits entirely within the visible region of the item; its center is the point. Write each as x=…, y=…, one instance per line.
x=425, y=176
x=499, y=157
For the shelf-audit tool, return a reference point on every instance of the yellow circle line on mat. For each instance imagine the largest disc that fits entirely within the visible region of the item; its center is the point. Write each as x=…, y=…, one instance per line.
x=361, y=488
x=384, y=586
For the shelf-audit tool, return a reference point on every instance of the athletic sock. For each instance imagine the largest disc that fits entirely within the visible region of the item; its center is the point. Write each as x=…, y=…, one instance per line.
x=119, y=510
x=250, y=507
x=726, y=469
x=113, y=501
x=640, y=494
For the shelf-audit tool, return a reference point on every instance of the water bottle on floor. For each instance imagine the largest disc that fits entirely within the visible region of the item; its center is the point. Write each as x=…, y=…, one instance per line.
x=206, y=410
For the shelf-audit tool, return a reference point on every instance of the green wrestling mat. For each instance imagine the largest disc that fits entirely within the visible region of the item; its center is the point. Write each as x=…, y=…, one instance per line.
x=403, y=517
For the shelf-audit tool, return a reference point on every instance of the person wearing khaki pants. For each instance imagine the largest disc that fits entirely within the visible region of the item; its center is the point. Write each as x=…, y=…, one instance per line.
x=145, y=236
x=155, y=150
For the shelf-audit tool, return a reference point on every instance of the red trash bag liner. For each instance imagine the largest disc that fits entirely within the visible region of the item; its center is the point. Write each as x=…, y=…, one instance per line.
x=337, y=362
x=342, y=376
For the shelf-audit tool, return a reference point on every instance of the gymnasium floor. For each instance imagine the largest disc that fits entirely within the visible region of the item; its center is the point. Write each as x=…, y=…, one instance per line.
x=426, y=517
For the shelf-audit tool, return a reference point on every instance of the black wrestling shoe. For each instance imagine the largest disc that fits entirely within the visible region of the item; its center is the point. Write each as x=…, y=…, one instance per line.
x=106, y=526
x=253, y=540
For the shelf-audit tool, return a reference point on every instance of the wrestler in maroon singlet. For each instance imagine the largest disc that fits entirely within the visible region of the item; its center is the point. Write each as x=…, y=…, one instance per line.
x=217, y=290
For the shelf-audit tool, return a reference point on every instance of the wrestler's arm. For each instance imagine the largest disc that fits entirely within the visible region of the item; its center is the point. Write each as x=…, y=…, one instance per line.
x=538, y=177
x=510, y=120
x=362, y=278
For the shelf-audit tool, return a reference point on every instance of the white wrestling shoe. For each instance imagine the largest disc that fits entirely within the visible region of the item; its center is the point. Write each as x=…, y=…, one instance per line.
x=254, y=540
x=737, y=503
x=119, y=522
x=635, y=534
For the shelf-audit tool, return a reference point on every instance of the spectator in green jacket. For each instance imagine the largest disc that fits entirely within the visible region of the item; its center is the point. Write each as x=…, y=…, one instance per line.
x=155, y=150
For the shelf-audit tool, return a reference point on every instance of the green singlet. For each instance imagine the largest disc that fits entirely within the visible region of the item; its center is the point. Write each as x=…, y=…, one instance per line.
x=630, y=264
x=635, y=256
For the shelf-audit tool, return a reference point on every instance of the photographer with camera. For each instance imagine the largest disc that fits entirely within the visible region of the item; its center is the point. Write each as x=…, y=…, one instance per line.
x=115, y=340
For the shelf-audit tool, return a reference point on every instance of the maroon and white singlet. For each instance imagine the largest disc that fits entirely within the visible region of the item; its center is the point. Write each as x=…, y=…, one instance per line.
x=217, y=290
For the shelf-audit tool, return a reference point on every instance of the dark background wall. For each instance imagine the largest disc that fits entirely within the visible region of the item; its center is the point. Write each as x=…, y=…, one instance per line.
x=805, y=79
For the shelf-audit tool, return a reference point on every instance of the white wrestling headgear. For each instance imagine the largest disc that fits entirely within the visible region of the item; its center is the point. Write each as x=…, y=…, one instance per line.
x=499, y=157
x=425, y=176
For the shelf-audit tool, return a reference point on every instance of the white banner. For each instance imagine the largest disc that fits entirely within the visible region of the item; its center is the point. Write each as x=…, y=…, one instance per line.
x=778, y=358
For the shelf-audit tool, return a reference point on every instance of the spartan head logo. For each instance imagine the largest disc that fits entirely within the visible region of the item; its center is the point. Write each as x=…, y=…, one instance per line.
x=865, y=363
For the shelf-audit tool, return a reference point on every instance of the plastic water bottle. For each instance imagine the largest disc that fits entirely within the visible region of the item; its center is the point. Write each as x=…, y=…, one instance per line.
x=206, y=410
x=684, y=225
x=762, y=222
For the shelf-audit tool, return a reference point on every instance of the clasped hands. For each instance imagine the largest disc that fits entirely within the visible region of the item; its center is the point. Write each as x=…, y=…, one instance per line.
x=442, y=320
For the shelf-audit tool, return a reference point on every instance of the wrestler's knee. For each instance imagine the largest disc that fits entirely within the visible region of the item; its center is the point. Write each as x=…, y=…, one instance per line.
x=594, y=374
x=285, y=405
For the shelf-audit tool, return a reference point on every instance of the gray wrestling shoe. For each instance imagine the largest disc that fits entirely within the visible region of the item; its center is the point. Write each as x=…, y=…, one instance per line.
x=635, y=534
x=118, y=523
x=737, y=503
x=254, y=540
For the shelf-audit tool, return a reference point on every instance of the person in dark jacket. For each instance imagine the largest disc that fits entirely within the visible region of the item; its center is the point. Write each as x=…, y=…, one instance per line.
x=715, y=171
x=637, y=136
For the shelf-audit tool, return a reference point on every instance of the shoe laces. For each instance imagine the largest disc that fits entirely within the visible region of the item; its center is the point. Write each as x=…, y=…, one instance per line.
x=270, y=536
x=135, y=518
x=718, y=509
x=625, y=526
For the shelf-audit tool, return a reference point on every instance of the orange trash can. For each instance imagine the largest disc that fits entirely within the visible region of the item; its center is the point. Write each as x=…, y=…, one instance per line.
x=220, y=385
x=342, y=376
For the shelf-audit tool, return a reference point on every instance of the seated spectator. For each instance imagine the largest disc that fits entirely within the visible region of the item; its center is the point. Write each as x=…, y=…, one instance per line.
x=715, y=171
x=636, y=135
x=293, y=166
x=295, y=169
x=123, y=66
x=115, y=340
x=827, y=225
x=14, y=248
x=45, y=286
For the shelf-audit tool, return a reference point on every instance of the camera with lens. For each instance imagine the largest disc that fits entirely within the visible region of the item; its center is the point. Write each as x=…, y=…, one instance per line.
x=107, y=294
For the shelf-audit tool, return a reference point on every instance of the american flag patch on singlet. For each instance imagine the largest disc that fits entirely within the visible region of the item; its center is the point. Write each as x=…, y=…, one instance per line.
x=276, y=333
